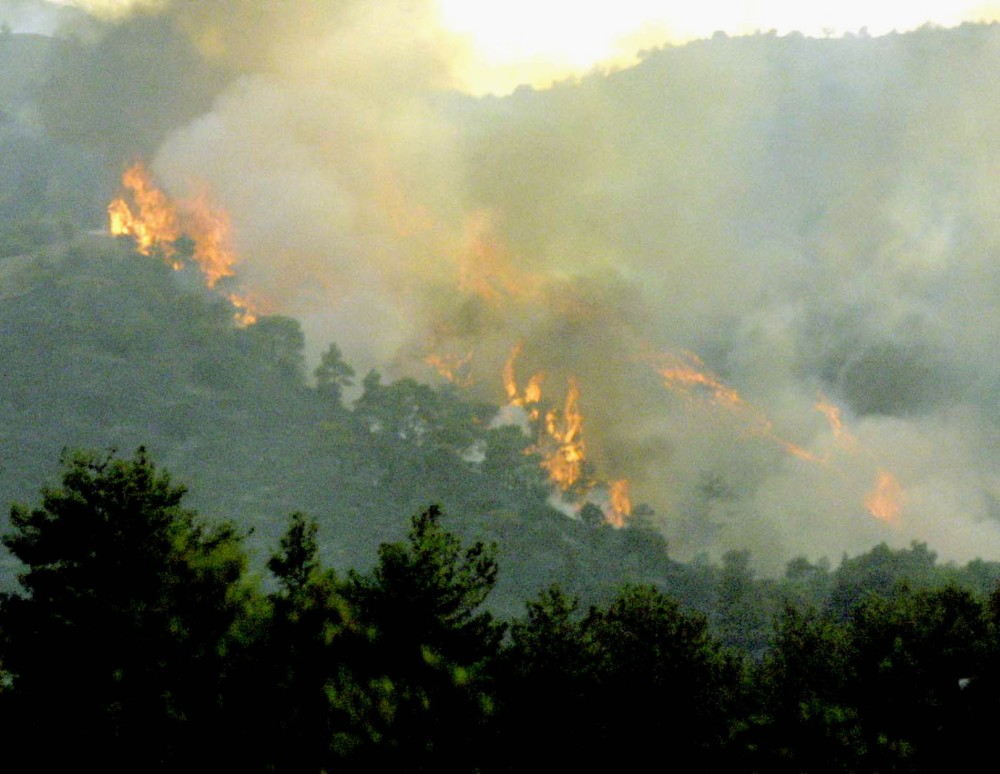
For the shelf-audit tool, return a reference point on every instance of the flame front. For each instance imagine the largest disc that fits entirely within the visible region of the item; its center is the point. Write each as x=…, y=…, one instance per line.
x=686, y=374
x=210, y=229
x=560, y=442
x=844, y=438
x=509, y=379
x=156, y=223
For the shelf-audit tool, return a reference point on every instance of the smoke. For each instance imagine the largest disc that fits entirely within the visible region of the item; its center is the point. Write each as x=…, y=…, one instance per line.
x=810, y=217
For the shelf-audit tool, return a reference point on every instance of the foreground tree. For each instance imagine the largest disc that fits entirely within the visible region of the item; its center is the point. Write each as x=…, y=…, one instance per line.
x=422, y=662
x=617, y=686
x=116, y=645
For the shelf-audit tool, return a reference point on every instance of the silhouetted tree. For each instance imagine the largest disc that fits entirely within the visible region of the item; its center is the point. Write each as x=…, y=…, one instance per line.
x=333, y=374
x=425, y=700
x=116, y=644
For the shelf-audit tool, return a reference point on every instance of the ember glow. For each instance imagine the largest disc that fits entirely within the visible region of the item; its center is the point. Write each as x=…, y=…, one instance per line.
x=621, y=502
x=885, y=501
x=455, y=368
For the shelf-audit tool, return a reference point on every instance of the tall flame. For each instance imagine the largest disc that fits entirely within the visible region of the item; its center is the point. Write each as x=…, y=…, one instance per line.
x=156, y=223
x=210, y=229
x=560, y=439
x=532, y=394
x=509, y=379
x=565, y=460
x=621, y=502
x=885, y=501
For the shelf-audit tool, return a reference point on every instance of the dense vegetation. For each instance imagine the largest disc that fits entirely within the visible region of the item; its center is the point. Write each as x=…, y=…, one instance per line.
x=104, y=348
x=139, y=641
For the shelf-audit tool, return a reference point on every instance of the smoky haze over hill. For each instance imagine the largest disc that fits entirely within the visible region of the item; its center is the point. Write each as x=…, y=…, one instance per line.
x=804, y=222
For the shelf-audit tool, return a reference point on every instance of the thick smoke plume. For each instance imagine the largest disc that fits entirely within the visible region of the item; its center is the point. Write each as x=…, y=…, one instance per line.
x=805, y=222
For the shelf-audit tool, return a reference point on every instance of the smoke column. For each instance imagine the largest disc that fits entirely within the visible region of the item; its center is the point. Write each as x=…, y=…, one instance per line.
x=814, y=220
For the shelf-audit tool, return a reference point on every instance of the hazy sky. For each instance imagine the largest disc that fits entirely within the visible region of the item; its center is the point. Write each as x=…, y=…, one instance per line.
x=536, y=41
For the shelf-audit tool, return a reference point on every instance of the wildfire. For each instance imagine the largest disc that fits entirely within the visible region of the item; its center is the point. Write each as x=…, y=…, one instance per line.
x=885, y=501
x=156, y=223
x=454, y=368
x=621, y=502
x=210, y=229
x=484, y=265
x=565, y=461
x=686, y=374
x=533, y=390
x=244, y=314
x=560, y=440
x=841, y=434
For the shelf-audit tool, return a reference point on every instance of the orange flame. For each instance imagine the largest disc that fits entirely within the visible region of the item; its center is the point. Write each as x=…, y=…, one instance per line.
x=844, y=438
x=156, y=223
x=621, y=502
x=565, y=461
x=685, y=374
x=245, y=313
x=560, y=442
x=509, y=380
x=885, y=501
x=532, y=391
x=209, y=228
x=454, y=368
x=484, y=265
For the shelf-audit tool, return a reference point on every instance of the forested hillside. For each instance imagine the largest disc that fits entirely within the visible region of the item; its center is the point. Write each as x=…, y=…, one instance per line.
x=104, y=348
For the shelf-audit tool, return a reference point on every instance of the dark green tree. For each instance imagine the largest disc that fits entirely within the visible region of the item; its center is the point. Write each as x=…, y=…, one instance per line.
x=296, y=561
x=333, y=374
x=911, y=653
x=546, y=681
x=296, y=671
x=275, y=345
x=804, y=719
x=648, y=653
x=741, y=618
x=116, y=644
x=617, y=687
x=425, y=701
